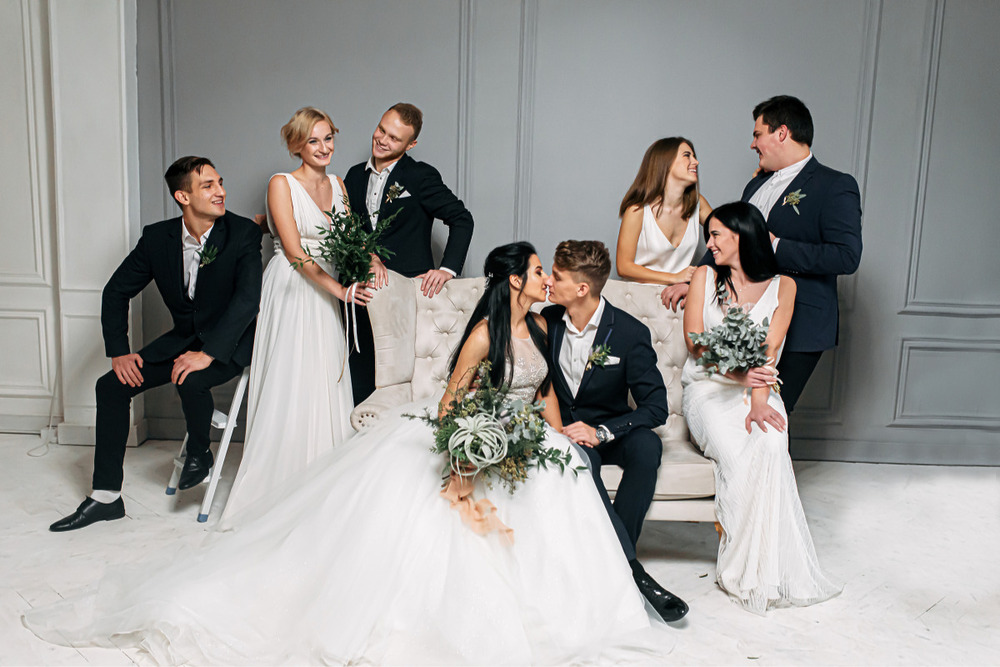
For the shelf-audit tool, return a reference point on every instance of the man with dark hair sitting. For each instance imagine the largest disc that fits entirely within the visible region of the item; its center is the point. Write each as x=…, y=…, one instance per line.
x=207, y=267
x=599, y=354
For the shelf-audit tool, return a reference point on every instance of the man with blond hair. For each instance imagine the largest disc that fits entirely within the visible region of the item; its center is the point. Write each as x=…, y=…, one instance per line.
x=392, y=182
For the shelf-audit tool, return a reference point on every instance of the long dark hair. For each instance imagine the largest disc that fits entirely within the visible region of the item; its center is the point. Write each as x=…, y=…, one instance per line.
x=494, y=305
x=647, y=188
x=756, y=254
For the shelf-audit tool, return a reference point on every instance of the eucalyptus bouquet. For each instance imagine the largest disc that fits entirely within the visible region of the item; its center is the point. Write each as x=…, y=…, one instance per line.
x=485, y=434
x=738, y=344
x=349, y=244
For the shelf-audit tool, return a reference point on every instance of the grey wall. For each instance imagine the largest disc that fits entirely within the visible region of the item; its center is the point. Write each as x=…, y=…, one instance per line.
x=537, y=113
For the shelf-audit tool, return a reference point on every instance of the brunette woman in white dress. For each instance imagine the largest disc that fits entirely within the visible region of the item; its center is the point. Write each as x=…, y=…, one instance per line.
x=766, y=554
x=300, y=397
x=661, y=215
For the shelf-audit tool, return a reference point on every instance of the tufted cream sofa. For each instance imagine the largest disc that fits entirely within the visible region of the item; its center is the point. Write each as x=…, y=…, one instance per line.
x=415, y=336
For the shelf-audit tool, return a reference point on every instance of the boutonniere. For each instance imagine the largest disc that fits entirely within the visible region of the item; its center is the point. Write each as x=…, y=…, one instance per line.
x=395, y=191
x=598, y=356
x=207, y=255
x=794, y=198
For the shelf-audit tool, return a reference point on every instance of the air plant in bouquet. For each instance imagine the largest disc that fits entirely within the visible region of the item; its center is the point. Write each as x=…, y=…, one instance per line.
x=485, y=434
x=738, y=344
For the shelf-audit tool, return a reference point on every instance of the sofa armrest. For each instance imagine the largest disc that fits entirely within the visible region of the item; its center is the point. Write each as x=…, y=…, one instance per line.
x=382, y=399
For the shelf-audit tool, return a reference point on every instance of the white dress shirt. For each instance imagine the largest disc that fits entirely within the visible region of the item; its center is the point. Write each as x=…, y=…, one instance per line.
x=767, y=195
x=576, y=347
x=191, y=261
x=376, y=186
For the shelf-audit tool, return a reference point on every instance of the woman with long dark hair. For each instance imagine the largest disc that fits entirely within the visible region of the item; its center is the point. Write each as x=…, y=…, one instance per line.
x=766, y=554
x=660, y=215
x=362, y=561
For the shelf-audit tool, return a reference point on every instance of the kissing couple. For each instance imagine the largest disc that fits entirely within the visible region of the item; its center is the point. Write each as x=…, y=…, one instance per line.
x=362, y=560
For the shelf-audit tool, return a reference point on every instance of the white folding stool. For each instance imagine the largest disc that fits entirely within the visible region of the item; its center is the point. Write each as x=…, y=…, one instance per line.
x=227, y=422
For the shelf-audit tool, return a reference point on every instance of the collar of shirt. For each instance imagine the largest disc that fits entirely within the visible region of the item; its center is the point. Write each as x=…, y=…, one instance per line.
x=370, y=167
x=788, y=174
x=591, y=325
x=189, y=239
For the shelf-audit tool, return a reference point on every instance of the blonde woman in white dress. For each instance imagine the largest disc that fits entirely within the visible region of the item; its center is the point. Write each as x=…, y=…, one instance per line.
x=766, y=554
x=300, y=401
x=661, y=216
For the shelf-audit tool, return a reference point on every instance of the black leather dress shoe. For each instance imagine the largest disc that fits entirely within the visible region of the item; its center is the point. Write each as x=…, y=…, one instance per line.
x=196, y=467
x=667, y=605
x=90, y=511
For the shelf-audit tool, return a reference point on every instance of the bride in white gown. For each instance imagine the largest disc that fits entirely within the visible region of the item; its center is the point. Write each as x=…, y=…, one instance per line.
x=766, y=554
x=300, y=400
x=361, y=560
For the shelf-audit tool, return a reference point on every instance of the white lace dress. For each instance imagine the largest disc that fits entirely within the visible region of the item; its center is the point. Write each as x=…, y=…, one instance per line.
x=299, y=403
x=766, y=554
x=361, y=561
x=654, y=251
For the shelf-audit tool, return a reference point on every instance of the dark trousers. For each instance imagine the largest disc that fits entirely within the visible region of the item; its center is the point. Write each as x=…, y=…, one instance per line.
x=794, y=370
x=638, y=453
x=114, y=398
x=363, y=362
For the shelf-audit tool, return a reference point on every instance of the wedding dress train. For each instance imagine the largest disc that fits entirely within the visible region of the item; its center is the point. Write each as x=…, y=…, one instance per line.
x=360, y=560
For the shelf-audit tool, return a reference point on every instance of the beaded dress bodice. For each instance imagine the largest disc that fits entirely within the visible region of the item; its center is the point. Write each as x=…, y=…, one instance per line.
x=529, y=370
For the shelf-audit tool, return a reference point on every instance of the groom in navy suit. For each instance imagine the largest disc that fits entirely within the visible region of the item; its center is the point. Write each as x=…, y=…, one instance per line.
x=814, y=215
x=600, y=354
x=393, y=182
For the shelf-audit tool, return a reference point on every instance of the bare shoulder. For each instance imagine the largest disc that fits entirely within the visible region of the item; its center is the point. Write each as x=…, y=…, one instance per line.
x=786, y=288
x=479, y=338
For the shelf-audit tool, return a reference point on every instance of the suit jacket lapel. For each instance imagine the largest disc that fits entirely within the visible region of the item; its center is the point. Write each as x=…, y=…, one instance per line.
x=798, y=182
x=397, y=175
x=175, y=257
x=754, y=185
x=206, y=274
x=604, y=330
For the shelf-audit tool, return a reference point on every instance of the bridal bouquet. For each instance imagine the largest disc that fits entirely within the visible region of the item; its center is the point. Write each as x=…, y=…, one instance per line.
x=349, y=244
x=487, y=435
x=738, y=344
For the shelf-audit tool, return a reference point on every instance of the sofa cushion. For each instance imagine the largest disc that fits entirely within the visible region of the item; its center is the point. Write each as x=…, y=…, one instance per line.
x=684, y=473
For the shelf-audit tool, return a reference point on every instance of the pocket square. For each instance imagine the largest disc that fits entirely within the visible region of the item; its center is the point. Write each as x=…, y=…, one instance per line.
x=612, y=361
x=403, y=195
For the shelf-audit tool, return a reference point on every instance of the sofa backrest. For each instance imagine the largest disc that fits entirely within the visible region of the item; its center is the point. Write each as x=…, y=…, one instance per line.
x=416, y=336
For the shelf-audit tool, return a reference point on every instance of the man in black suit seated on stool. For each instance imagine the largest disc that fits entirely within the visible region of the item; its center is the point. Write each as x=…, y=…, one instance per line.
x=207, y=267
x=392, y=181
x=598, y=355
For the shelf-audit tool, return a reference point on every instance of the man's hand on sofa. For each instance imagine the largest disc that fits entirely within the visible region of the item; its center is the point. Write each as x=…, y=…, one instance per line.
x=432, y=281
x=581, y=434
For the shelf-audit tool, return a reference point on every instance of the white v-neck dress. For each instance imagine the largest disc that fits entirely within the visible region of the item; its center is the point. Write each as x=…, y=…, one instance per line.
x=766, y=554
x=654, y=251
x=300, y=404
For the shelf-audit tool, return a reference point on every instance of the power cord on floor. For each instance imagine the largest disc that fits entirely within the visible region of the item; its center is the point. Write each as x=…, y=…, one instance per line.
x=49, y=431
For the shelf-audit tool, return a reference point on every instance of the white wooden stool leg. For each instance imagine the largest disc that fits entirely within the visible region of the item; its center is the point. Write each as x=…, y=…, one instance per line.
x=227, y=435
x=178, y=466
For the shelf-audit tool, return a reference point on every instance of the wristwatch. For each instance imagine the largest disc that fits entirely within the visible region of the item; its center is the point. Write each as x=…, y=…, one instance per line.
x=603, y=434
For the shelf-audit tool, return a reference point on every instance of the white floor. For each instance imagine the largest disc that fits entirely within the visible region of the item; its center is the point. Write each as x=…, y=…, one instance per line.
x=917, y=547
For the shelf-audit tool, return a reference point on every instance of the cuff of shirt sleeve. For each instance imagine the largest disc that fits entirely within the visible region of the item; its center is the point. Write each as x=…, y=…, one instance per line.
x=447, y=270
x=774, y=244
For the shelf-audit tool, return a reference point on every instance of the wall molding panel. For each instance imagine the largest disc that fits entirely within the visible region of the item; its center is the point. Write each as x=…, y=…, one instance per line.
x=921, y=403
x=466, y=96
x=525, y=118
x=41, y=383
x=915, y=304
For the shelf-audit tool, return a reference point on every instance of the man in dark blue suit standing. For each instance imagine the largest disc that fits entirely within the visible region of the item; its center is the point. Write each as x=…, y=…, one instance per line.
x=814, y=215
x=600, y=354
